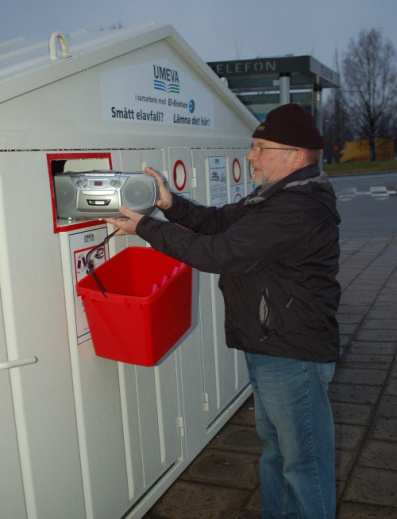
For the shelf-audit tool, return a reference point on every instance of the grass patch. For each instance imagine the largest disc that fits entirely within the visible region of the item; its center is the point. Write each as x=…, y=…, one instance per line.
x=351, y=168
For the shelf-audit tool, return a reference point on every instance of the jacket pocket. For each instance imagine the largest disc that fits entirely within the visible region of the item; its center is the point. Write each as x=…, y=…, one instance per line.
x=275, y=311
x=264, y=312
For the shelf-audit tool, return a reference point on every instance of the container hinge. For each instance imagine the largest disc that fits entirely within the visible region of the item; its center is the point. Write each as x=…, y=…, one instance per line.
x=194, y=178
x=180, y=425
x=206, y=402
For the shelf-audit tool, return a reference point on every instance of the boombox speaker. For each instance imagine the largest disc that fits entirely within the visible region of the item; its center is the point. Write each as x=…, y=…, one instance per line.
x=100, y=194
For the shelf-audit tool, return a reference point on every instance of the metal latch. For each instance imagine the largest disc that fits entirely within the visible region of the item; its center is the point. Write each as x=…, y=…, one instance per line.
x=180, y=424
x=206, y=402
x=193, y=181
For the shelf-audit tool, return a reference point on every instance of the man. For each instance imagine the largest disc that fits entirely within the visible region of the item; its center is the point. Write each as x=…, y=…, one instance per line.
x=277, y=252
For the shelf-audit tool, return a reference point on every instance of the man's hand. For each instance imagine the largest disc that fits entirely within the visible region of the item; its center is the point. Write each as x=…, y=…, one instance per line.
x=128, y=224
x=165, y=197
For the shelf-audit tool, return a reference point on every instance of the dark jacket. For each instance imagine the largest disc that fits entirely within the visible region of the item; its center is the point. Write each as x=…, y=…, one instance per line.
x=277, y=251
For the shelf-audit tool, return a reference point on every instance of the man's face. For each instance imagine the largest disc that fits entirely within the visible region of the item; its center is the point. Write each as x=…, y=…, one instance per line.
x=271, y=161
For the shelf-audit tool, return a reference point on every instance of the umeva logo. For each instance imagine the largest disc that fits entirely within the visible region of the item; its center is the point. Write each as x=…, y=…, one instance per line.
x=166, y=79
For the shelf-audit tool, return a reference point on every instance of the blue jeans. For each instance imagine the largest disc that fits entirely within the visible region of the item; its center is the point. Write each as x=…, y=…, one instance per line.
x=294, y=420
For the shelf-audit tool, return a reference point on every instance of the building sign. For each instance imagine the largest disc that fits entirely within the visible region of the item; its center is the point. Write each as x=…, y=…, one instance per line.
x=237, y=68
x=304, y=70
x=156, y=92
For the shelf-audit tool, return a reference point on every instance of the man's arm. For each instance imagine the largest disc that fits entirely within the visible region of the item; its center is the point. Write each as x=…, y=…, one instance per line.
x=203, y=219
x=258, y=237
x=200, y=218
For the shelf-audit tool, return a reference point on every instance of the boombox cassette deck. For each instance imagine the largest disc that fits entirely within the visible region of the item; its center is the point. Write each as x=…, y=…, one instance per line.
x=100, y=194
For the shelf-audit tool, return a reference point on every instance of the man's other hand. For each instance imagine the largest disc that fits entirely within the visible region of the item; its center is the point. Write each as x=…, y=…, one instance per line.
x=128, y=224
x=165, y=197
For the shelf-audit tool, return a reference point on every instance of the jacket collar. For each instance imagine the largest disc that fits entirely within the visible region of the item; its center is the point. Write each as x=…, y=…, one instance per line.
x=298, y=177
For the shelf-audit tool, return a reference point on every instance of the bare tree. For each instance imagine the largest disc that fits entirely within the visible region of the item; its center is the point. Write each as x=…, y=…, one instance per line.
x=336, y=122
x=370, y=86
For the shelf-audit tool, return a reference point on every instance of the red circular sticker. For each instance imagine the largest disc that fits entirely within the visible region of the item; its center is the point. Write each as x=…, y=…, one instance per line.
x=236, y=170
x=180, y=175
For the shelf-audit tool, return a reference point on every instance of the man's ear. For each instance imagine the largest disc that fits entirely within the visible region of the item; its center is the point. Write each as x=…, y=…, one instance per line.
x=299, y=156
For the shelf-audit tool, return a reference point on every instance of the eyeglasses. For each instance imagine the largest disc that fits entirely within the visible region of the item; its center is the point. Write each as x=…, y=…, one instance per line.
x=256, y=148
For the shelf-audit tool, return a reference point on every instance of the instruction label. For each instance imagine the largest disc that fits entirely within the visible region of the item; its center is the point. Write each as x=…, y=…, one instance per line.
x=217, y=181
x=80, y=244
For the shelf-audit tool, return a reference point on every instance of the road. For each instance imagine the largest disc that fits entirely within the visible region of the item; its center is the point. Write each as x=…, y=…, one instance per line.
x=367, y=205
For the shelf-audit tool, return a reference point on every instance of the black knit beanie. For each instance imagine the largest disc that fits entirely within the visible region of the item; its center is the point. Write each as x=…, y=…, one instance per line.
x=292, y=125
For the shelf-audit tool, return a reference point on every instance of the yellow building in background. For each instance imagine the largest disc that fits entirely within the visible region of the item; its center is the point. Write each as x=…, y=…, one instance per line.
x=359, y=150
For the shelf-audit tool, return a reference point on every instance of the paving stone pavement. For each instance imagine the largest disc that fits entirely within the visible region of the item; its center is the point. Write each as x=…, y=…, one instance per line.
x=222, y=483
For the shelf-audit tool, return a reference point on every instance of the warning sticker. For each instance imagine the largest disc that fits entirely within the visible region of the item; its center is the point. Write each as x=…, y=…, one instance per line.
x=80, y=244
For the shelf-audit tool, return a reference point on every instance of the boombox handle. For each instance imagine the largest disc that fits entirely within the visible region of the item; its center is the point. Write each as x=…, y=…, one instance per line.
x=90, y=263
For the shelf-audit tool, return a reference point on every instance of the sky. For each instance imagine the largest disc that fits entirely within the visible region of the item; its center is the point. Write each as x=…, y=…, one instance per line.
x=216, y=29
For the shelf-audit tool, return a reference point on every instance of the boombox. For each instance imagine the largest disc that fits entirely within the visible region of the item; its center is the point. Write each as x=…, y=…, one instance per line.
x=100, y=194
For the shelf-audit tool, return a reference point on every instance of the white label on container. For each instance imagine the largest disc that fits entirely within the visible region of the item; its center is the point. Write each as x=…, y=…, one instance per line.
x=80, y=243
x=217, y=182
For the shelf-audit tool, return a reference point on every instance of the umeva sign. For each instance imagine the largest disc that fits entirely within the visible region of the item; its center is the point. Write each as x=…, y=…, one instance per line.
x=160, y=93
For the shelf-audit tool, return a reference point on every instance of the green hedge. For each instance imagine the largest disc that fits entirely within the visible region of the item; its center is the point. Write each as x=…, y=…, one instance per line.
x=349, y=168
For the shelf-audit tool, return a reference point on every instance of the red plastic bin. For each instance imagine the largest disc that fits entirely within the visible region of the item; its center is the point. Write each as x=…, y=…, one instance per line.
x=147, y=307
